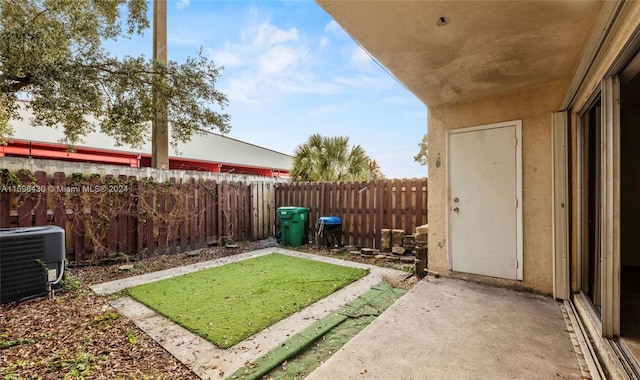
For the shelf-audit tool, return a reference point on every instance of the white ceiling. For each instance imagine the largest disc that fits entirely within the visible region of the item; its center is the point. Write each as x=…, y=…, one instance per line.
x=487, y=47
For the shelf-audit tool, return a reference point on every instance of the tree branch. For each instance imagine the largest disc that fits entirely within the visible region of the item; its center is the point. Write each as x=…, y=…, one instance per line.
x=106, y=69
x=19, y=83
x=46, y=10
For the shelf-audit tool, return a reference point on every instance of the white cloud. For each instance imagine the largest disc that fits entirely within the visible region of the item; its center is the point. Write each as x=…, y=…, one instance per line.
x=333, y=28
x=381, y=81
x=396, y=100
x=226, y=58
x=308, y=85
x=241, y=88
x=359, y=56
x=181, y=4
x=266, y=63
x=279, y=58
x=266, y=35
x=322, y=111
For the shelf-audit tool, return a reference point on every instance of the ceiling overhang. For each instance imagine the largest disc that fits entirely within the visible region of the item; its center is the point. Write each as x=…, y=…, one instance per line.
x=451, y=51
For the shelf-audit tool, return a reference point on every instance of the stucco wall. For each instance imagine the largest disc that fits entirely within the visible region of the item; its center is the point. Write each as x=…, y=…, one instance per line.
x=534, y=107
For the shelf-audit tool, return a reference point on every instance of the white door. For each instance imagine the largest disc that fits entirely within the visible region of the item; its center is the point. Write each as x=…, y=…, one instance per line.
x=485, y=221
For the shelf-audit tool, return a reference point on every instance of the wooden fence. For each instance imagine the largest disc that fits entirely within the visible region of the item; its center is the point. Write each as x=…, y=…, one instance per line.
x=364, y=207
x=106, y=217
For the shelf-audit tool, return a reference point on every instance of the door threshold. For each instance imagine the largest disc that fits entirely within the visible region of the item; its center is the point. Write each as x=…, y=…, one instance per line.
x=627, y=359
x=587, y=357
x=612, y=358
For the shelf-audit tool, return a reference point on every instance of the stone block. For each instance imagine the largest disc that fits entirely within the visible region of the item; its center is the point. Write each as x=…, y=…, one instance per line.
x=423, y=229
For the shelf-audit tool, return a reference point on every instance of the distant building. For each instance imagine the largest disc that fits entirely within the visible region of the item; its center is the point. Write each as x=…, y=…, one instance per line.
x=207, y=152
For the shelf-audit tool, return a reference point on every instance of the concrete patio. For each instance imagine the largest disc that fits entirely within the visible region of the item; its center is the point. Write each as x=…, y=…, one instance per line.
x=451, y=329
x=441, y=329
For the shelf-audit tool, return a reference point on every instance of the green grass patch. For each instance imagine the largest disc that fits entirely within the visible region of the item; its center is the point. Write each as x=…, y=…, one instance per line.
x=305, y=351
x=227, y=304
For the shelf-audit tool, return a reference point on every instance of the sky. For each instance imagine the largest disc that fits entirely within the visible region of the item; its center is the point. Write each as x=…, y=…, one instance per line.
x=291, y=71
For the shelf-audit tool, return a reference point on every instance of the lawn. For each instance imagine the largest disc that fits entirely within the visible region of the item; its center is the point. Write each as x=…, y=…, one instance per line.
x=227, y=304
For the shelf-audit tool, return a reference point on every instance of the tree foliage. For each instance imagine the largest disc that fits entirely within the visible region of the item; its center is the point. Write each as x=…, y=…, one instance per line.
x=332, y=159
x=375, y=172
x=51, y=54
x=421, y=157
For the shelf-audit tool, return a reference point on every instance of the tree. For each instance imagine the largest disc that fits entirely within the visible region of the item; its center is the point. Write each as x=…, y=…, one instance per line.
x=375, y=172
x=331, y=159
x=421, y=157
x=51, y=54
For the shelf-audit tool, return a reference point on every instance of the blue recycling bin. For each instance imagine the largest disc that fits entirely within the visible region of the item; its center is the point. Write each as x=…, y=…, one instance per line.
x=330, y=231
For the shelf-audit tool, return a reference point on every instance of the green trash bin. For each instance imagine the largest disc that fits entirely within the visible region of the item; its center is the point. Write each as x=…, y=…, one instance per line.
x=294, y=225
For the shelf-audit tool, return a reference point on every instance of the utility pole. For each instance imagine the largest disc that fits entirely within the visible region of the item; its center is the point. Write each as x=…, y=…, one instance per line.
x=160, y=125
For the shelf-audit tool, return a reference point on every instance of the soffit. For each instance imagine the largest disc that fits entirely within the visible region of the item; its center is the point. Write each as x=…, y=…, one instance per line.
x=487, y=47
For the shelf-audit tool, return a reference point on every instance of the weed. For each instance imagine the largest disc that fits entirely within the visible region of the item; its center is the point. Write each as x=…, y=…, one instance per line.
x=115, y=296
x=131, y=337
x=70, y=282
x=106, y=317
x=81, y=366
x=4, y=344
x=78, y=367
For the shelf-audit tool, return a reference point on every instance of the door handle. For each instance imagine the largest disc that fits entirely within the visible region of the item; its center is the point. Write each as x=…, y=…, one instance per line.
x=455, y=209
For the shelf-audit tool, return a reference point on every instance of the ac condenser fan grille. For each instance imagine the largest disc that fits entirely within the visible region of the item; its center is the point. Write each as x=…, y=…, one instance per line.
x=23, y=272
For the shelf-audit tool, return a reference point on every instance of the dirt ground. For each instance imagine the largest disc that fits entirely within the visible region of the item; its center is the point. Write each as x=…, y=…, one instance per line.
x=77, y=335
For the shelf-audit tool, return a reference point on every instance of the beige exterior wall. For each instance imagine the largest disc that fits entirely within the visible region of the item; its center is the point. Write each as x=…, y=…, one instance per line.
x=534, y=107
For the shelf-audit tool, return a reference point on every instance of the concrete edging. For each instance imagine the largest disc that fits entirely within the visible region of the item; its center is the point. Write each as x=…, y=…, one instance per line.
x=204, y=358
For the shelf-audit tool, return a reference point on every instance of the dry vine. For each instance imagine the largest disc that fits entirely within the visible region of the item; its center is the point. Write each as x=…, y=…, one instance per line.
x=92, y=205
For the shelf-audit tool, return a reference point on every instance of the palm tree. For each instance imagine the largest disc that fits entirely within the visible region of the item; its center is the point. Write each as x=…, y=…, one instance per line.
x=330, y=159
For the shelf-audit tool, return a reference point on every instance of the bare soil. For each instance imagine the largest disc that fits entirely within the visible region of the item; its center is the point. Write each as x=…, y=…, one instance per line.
x=78, y=335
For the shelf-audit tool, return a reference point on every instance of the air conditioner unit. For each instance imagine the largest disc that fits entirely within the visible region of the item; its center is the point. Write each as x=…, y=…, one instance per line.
x=30, y=259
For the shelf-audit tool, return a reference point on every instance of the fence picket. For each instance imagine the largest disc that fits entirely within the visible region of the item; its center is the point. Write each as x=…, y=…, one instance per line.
x=24, y=209
x=364, y=207
x=241, y=210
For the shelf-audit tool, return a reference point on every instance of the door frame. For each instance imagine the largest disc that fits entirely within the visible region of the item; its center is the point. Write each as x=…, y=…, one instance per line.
x=560, y=203
x=517, y=124
x=610, y=219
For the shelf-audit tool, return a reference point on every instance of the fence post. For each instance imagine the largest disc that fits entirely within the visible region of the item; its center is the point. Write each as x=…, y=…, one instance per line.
x=141, y=224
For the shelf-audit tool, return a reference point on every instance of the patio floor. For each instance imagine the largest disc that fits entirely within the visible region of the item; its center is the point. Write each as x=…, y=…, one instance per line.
x=451, y=329
x=441, y=329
